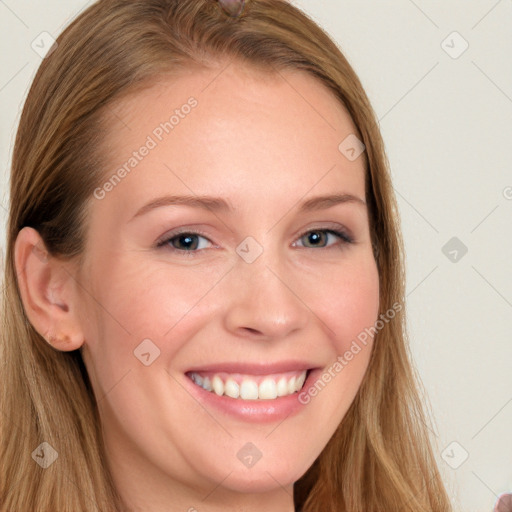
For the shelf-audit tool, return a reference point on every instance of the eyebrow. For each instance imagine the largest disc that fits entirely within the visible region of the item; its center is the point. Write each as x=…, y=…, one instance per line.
x=217, y=204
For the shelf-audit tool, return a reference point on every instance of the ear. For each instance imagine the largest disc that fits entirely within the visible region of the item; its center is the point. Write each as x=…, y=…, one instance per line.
x=48, y=291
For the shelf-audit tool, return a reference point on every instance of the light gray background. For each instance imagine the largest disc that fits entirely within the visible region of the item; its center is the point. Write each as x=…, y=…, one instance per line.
x=447, y=124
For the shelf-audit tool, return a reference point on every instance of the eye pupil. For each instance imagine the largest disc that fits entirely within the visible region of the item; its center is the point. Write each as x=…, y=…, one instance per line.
x=315, y=236
x=189, y=238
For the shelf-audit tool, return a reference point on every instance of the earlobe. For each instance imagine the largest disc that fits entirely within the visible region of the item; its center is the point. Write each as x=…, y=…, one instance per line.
x=47, y=292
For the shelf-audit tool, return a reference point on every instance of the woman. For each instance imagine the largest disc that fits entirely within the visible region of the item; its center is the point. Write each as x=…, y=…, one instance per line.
x=174, y=335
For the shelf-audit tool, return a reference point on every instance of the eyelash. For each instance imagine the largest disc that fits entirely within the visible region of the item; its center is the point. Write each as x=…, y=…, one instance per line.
x=165, y=243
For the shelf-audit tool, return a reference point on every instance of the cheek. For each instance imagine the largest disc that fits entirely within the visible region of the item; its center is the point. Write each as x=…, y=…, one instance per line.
x=139, y=310
x=135, y=300
x=349, y=307
x=351, y=302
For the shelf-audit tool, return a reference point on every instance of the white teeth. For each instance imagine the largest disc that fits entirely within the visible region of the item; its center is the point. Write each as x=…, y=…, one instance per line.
x=300, y=382
x=282, y=387
x=291, y=385
x=249, y=390
x=232, y=389
x=218, y=385
x=268, y=389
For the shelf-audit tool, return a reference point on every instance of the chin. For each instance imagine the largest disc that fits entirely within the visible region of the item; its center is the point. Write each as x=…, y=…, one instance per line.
x=263, y=479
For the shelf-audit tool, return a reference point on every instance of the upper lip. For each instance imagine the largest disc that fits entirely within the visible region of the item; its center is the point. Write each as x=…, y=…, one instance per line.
x=254, y=368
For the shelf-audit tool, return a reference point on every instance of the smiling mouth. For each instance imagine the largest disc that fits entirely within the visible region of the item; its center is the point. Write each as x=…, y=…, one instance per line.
x=250, y=387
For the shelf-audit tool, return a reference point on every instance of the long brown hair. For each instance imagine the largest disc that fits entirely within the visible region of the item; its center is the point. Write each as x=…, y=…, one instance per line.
x=380, y=458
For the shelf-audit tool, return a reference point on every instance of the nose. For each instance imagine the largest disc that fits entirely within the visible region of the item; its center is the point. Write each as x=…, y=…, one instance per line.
x=264, y=299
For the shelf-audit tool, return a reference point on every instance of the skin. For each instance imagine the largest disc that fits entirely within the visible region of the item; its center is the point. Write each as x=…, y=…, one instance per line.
x=265, y=143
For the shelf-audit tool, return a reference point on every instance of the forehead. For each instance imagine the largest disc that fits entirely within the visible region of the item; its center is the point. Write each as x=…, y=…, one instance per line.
x=227, y=130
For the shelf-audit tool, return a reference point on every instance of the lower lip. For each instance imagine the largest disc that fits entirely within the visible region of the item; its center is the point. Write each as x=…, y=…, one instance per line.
x=253, y=411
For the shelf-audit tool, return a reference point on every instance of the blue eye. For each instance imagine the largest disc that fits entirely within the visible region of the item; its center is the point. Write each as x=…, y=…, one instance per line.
x=187, y=242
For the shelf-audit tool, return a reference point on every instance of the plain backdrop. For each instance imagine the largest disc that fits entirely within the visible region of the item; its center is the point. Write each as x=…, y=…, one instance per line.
x=439, y=76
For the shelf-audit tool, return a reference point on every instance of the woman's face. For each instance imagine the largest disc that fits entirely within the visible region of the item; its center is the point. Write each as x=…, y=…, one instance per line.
x=246, y=291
